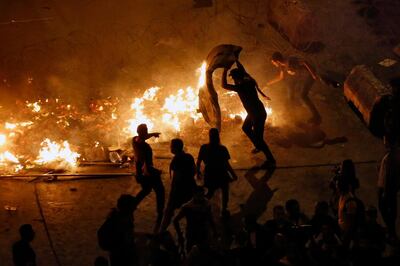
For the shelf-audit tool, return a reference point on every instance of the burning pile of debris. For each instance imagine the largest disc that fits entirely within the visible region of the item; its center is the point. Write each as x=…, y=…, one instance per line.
x=52, y=134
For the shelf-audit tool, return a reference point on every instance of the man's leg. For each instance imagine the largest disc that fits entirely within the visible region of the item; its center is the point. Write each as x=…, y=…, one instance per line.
x=146, y=189
x=259, y=138
x=247, y=128
x=225, y=197
x=158, y=187
x=316, y=117
x=388, y=209
x=168, y=213
x=210, y=192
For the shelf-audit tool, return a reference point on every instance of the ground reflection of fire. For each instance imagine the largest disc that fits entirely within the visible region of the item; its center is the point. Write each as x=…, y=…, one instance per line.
x=52, y=134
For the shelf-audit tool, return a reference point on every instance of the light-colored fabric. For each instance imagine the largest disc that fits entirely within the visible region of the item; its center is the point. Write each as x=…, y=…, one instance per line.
x=221, y=56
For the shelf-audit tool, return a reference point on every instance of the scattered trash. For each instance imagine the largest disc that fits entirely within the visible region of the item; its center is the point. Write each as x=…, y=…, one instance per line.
x=10, y=208
x=387, y=62
x=51, y=178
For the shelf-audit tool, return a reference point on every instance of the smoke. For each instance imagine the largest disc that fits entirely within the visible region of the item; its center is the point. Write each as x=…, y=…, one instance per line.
x=99, y=48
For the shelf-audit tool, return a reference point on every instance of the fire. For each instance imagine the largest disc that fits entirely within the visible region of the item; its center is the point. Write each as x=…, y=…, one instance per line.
x=138, y=106
x=175, y=110
x=243, y=114
x=183, y=104
x=34, y=106
x=202, y=75
x=12, y=126
x=169, y=111
x=10, y=162
x=53, y=153
x=3, y=139
x=8, y=157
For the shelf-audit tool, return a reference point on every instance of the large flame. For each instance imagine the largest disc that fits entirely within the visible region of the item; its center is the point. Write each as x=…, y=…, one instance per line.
x=138, y=106
x=60, y=155
x=162, y=109
x=3, y=139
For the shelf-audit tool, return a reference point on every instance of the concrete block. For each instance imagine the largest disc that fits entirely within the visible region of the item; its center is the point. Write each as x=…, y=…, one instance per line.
x=369, y=97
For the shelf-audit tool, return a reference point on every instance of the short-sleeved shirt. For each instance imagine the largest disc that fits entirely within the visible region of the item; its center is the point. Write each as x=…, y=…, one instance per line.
x=215, y=158
x=143, y=154
x=184, y=169
x=183, y=165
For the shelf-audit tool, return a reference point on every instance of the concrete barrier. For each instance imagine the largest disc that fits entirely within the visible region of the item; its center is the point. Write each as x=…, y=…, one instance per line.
x=369, y=96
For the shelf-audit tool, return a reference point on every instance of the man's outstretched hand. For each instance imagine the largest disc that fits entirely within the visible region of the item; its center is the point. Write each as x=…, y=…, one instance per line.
x=155, y=134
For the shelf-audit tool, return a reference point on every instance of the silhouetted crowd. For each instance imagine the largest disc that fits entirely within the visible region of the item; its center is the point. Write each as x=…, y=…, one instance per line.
x=341, y=231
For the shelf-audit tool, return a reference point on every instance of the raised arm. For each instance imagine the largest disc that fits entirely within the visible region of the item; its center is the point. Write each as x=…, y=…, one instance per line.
x=225, y=84
x=240, y=66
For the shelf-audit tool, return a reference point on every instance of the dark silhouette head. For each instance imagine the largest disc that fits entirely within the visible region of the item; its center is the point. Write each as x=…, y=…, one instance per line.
x=371, y=214
x=176, y=146
x=277, y=59
x=142, y=130
x=237, y=75
x=126, y=203
x=321, y=208
x=347, y=169
x=348, y=174
x=292, y=207
x=26, y=232
x=214, y=136
x=279, y=212
x=101, y=261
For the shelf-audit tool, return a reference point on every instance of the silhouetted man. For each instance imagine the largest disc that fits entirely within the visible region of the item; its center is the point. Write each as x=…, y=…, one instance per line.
x=199, y=221
x=182, y=171
x=116, y=235
x=23, y=254
x=218, y=172
x=253, y=125
x=303, y=78
x=146, y=174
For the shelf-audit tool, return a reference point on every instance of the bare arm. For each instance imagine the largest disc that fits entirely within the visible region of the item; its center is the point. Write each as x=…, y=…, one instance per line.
x=231, y=171
x=310, y=69
x=225, y=84
x=277, y=79
x=155, y=134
